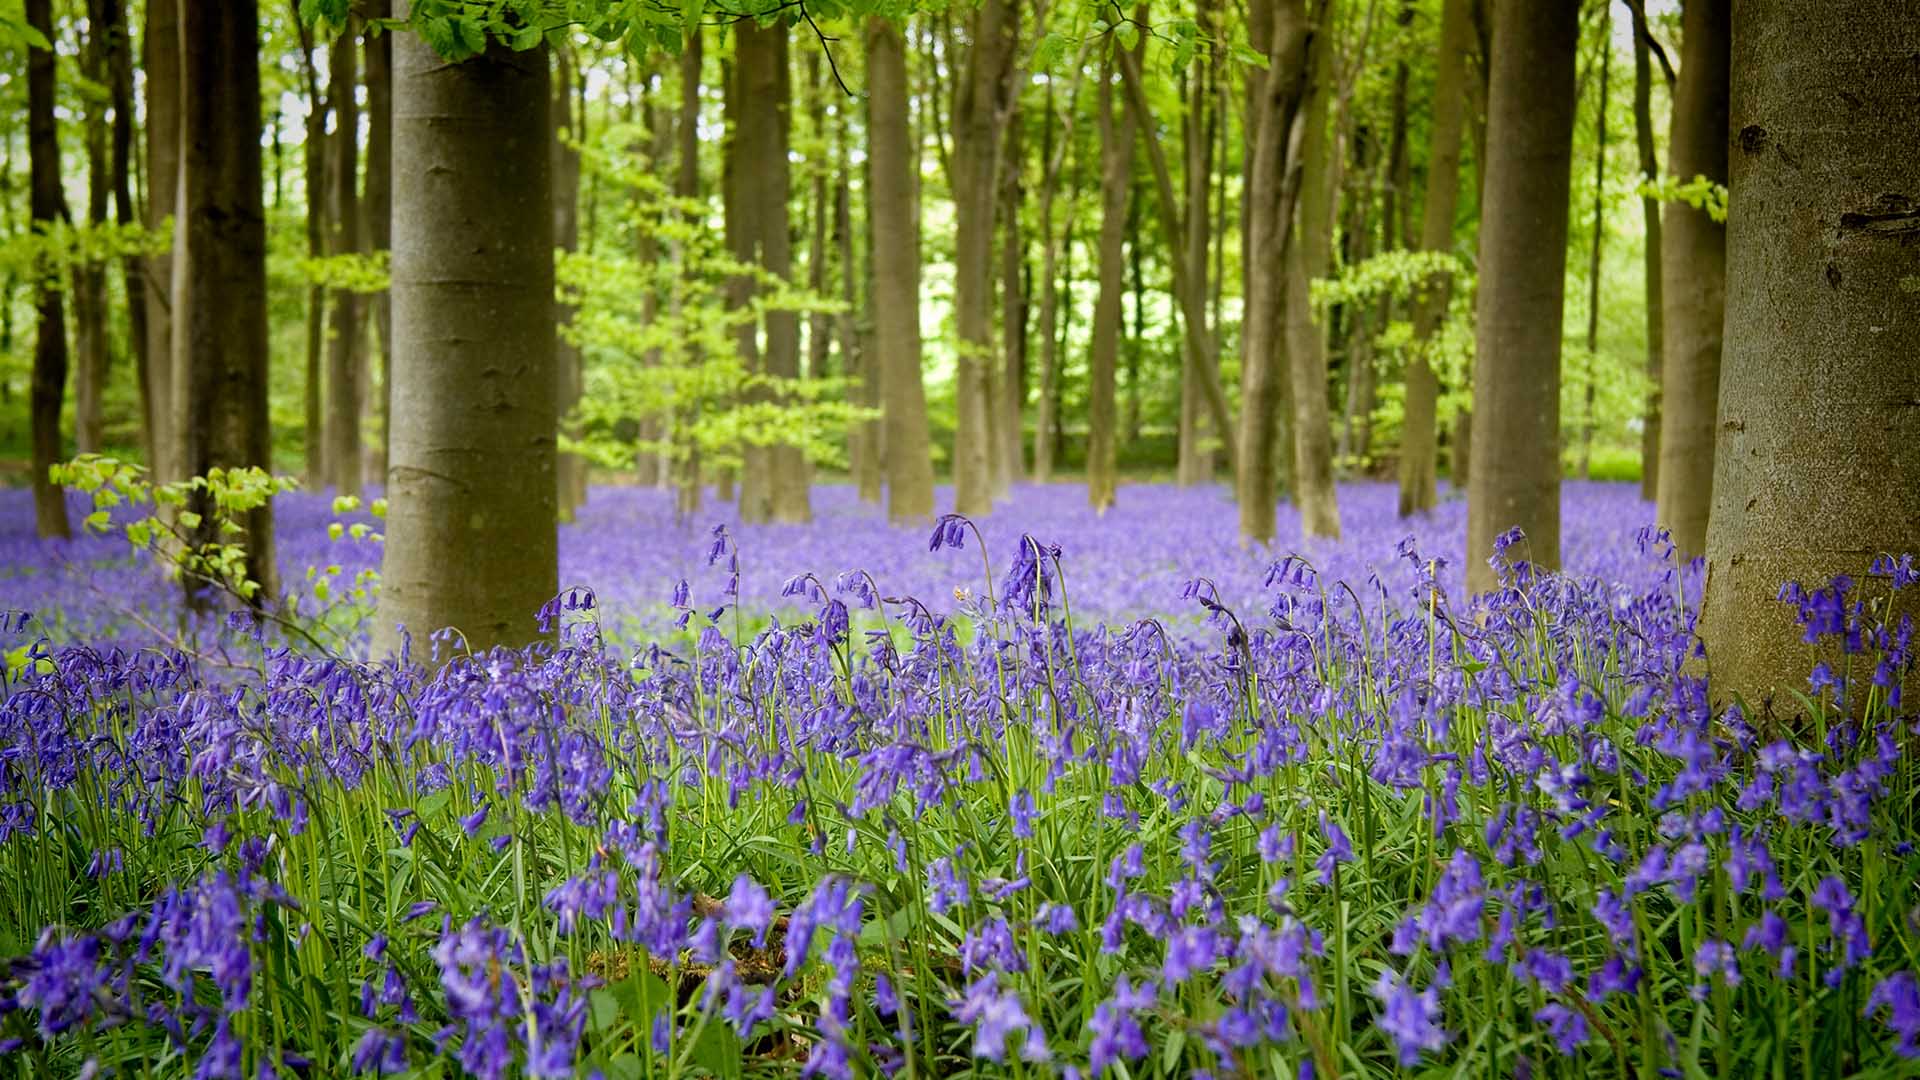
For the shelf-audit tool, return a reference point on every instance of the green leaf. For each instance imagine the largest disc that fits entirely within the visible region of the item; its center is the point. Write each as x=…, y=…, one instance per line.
x=525, y=38
x=473, y=35
x=442, y=37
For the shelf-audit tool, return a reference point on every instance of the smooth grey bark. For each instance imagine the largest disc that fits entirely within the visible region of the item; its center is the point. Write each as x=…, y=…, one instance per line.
x=220, y=294
x=48, y=205
x=1523, y=254
x=893, y=160
x=1817, y=467
x=1419, y=433
x=570, y=470
x=344, y=326
x=1307, y=257
x=686, y=185
x=475, y=384
x=981, y=104
x=1693, y=272
x=160, y=59
x=315, y=161
x=761, y=57
x=1194, y=464
x=1650, y=211
x=1272, y=188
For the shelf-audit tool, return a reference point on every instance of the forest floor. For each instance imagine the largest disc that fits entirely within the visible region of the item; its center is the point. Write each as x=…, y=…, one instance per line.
x=626, y=545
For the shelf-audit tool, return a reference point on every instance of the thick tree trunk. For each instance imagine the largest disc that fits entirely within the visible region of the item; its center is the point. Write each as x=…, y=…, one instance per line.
x=474, y=387
x=1116, y=168
x=893, y=159
x=1308, y=257
x=160, y=59
x=1817, y=470
x=1523, y=256
x=1650, y=210
x=739, y=211
x=1419, y=433
x=220, y=296
x=762, y=60
x=1272, y=181
x=342, y=424
x=570, y=470
x=1693, y=271
x=49, y=205
x=980, y=108
x=378, y=219
x=91, y=345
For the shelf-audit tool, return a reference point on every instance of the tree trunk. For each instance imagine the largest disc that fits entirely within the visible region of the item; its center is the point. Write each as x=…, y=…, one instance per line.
x=570, y=470
x=1193, y=464
x=113, y=15
x=474, y=389
x=858, y=357
x=1357, y=244
x=980, y=108
x=1587, y=424
x=1817, y=470
x=1272, y=183
x=738, y=190
x=220, y=296
x=686, y=185
x=819, y=323
x=49, y=205
x=1116, y=168
x=1137, y=340
x=893, y=205
x=1308, y=257
x=1057, y=147
x=762, y=60
x=1010, y=409
x=1650, y=210
x=342, y=423
x=315, y=147
x=160, y=61
x=1419, y=487
x=379, y=221
x=92, y=351
x=1693, y=271
x=1523, y=257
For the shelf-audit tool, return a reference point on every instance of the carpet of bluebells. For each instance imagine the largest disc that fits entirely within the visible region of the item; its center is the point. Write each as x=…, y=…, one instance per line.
x=1033, y=799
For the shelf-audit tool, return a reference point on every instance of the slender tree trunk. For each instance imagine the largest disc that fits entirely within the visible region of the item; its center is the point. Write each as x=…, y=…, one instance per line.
x=1194, y=465
x=49, y=205
x=893, y=159
x=858, y=357
x=1059, y=142
x=1419, y=430
x=379, y=222
x=1694, y=281
x=980, y=109
x=763, y=64
x=220, y=296
x=1308, y=257
x=819, y=323
x=92, y=350
x=1011, y=406
x=1116, y=168
x=113, y=15
x=160, y=61
x=342, y=424
x=1523, y=256
x=569, y=469
x=686, y=185
x=1591, y=373
x=1357, y=243
x=1137, y=340
x=474, y=390
x=316, y=155
x=1817, y=469
x=1650, y=210
x=1272, y=183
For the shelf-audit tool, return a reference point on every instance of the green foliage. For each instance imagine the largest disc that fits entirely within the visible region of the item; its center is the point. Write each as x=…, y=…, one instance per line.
x=175, y=538
x=660, y=344
x=50, y=250
x=14, y=29
x=1699, y=193
x=358, y=272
